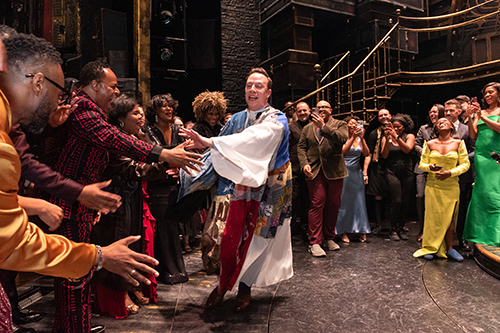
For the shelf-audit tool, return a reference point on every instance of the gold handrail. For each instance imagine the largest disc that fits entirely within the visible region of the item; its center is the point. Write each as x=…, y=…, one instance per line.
x=336, y=65
x=452, y=26
x=382, y=41
x=446, y=15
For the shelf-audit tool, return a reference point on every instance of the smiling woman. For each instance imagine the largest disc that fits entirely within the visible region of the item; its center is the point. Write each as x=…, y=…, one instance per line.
x=444, y=158
x=132, y=218
x=483, y=225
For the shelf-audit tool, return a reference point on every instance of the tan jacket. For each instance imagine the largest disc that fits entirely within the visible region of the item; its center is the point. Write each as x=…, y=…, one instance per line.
x=327, y=153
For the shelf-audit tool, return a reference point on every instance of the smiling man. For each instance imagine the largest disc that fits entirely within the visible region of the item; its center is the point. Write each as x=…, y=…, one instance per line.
x=29, y=90
x=251, y=156
x=79, y=149
x=321, y=159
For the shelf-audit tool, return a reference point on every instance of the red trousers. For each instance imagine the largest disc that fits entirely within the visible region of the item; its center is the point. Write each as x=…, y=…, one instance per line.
x=325, y=197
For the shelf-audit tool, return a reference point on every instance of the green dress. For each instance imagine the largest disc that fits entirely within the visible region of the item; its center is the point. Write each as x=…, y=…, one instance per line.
x=483, y=217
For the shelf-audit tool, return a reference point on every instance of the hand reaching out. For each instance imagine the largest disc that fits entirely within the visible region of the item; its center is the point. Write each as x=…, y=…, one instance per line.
x=94, y=197
x=119, y=259
x=178, y=157
x=197, y=141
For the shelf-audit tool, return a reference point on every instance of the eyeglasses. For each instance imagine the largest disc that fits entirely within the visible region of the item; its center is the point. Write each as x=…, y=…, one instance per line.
x=57, y=85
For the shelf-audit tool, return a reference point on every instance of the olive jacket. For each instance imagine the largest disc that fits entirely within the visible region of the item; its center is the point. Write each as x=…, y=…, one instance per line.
x=326, y=154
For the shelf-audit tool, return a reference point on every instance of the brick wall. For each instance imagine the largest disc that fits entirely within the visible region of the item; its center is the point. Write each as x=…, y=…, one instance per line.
x=240, y=48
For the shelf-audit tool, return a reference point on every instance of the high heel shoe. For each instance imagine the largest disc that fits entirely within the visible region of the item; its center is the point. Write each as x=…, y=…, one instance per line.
x=214, y=299
x=345, y=239
x=138, y=297
x=132, y=309
x=362, y=238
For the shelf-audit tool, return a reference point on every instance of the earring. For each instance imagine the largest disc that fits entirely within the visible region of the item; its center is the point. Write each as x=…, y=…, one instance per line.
x=121, y=124
x=156, y=118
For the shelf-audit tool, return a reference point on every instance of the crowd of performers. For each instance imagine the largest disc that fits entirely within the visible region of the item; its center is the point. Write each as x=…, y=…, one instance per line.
x=103, y=169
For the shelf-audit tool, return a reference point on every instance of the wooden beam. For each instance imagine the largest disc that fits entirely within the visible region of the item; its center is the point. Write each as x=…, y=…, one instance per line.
x=142, y=50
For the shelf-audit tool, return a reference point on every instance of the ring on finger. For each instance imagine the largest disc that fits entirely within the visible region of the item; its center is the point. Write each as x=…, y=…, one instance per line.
x=132, y=271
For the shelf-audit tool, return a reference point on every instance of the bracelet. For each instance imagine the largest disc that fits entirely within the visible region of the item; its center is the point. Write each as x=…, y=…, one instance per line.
x=100, y=259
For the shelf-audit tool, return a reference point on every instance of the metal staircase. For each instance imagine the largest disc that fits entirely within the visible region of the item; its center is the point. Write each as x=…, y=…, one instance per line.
x=364, y=90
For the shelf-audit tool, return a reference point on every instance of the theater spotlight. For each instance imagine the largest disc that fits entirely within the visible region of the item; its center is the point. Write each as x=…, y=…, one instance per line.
x=166, y=17
x=166, y=54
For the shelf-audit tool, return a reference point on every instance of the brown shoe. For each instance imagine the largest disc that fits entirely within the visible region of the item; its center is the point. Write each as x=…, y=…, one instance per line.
x=242, y=301
x=214, y=299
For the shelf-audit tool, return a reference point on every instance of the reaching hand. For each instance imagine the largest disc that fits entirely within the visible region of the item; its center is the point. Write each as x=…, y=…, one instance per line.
x=50, y=214
x=94, y=197
x=119, y=259
x=173, y=172
x=198, y=141
x=178, y=157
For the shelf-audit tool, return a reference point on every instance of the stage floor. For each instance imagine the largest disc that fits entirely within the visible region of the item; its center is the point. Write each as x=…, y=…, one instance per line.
x=372, y=287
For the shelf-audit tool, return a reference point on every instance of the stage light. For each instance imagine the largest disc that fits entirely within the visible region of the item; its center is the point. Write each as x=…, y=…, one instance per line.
x=166, y=54
x=166, y=17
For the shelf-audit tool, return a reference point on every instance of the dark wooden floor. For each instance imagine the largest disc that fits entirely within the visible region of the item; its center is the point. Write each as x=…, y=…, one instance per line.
x=373, y=287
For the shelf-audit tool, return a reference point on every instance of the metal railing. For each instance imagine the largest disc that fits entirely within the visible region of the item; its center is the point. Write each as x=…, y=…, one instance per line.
x=372, y=82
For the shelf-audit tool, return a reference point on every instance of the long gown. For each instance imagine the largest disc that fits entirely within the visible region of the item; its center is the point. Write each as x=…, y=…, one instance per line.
x=441, y=197
x=353, y=217
x=483, y=217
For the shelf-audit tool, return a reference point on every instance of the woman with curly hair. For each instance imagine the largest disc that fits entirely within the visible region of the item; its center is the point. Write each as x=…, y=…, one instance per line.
x=131, y=218
x=397, y=144
x=162, y=131
x=209, y=109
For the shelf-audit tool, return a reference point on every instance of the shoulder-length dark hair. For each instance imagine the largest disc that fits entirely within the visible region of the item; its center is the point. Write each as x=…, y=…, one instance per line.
x=122, y=106
x=496, y=86
x=157, y=102
x=440, y=108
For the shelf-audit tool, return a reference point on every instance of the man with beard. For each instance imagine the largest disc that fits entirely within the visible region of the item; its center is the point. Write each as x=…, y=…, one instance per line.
x=52, y=182
x=321, y=159
x=25, y=88
x=79, y=150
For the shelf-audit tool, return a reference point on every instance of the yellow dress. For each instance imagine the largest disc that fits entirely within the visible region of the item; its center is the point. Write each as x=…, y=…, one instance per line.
x=441, y=197
x=24, y=246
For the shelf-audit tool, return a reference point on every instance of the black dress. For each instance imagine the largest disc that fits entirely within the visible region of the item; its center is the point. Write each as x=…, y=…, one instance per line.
x=400, y=180
x=163, y=197
x=127, y=176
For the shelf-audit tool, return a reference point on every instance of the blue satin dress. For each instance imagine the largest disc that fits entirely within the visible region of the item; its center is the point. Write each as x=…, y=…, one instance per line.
x=353, y=217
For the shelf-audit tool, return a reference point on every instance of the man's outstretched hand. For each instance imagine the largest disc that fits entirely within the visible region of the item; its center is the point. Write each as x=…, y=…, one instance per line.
x=119, y=259
x=94, y=197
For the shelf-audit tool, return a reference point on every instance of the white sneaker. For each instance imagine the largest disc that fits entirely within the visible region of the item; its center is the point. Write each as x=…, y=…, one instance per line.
x=332, y=246
x=317, y=251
